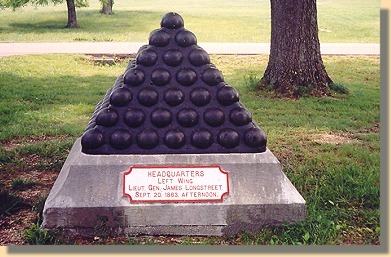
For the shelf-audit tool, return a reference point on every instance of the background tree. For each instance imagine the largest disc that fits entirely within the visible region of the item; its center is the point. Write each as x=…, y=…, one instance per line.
x=71, y=5
x=72, y=20
x=295, y=65
x=107, y=6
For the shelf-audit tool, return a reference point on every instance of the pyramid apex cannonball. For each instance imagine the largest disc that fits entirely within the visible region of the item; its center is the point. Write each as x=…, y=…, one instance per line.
x=172, y=20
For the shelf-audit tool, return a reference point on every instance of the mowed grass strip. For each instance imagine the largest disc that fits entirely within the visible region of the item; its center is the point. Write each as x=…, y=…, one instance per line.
x=211, y=21
x=329, y=147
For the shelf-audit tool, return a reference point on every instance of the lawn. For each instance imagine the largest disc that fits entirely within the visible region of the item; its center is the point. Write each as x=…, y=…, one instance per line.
x=329, y=147
x=211, y=21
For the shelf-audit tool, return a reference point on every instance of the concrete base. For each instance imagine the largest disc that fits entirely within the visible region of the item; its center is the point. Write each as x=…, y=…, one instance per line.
x=87, y=197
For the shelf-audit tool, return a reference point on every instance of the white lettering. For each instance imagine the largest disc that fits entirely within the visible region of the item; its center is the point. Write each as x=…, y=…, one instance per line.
x=178, y=183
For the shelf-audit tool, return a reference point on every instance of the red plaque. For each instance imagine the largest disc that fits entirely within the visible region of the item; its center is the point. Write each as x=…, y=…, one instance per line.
x=175, y=184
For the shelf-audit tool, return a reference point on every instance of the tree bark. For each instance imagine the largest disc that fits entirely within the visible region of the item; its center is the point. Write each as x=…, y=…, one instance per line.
x=107, y=7
x=72, y=21
x=295, y=64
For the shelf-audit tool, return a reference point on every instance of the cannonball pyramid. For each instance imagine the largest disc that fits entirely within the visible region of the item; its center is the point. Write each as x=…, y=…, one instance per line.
x=171, y=100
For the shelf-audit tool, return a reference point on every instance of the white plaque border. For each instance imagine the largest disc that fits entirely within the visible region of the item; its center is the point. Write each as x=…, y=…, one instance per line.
x=174, y=166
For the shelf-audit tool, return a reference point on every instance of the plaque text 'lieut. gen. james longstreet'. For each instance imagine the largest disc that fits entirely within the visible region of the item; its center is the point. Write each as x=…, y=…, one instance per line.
x=175, y=183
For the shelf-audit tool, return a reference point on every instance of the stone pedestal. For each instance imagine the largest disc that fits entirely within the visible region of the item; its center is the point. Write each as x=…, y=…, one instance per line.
x=88, y=195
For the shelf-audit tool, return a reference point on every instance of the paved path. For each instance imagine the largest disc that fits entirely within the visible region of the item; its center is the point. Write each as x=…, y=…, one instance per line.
x=8, y=49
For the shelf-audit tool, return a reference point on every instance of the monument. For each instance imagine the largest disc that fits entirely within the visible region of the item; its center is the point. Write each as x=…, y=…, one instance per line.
x=171, y=150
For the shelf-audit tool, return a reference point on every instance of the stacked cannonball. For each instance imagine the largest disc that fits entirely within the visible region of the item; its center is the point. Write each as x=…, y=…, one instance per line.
x=171, y=100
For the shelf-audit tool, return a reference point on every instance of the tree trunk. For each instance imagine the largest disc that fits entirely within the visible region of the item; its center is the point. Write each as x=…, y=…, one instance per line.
x=295, y=64
x=72, y=22
x=107, y=7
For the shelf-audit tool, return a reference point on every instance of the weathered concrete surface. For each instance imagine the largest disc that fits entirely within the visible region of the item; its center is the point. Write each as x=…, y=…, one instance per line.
x=87, y=196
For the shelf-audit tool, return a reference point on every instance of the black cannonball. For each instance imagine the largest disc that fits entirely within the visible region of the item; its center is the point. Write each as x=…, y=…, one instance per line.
x=186, y=76
x=200, y=96
x=147, y=139
x=212, y=76
x=227, y=95
x=173, y=57
x=187, y=117
x=174, y=139
x=147, y=57
x=131, y=65
x=202, y=138
x=91, y=124
x=174, y=96
x=134, y=117
x=148, y=97
x=121, y=139
x=172, y=20
x=121, y=97
x=228, y=138
x=161, y=117
x=254, y=137
x=142, y=48
x=214, y=117
x=107, y=117
x=106, y=102
x=199, y=57
x=134, y=77
x=92, y=139
x=160, y=77
x=185, y=38
x=159, y=38
x=240, y=116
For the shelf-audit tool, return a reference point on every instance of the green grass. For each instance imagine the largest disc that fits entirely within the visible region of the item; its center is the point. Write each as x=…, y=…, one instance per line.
x=340, y=182
x=35, y=236
x=22, y=184
x=50, y=97
x=55, y=95
x=211, y=21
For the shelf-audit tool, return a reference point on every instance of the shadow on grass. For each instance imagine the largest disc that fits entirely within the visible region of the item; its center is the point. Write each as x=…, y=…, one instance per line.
x=40, y=27
x=90, y=21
